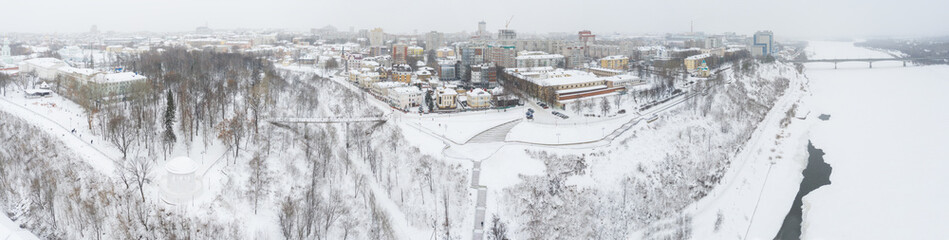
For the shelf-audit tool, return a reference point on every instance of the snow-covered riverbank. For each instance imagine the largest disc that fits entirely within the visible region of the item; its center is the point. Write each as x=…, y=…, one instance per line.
x=886, y=141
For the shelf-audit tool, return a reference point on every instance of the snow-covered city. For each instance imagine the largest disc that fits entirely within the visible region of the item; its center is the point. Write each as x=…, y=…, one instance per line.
x=350, y=120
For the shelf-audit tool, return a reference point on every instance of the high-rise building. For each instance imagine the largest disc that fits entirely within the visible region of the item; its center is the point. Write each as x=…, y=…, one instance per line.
x=501, y=55
x=434, y=40
x=761, y=44
x=506, y=34
x=586, y=37
x=482, y=29
x=376, y=37
x=94, y=29
x=399, y=52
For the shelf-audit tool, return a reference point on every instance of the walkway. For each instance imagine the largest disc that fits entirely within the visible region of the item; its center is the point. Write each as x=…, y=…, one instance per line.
x=108, y=170
x=382, y=118
x=478, y=232
x=495, y=134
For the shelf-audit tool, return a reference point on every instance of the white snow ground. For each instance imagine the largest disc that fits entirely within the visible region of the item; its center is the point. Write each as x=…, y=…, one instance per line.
x=9, y=230
x=886, y=141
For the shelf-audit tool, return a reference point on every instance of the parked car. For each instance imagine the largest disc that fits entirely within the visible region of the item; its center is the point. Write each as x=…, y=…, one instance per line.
x=622, y=111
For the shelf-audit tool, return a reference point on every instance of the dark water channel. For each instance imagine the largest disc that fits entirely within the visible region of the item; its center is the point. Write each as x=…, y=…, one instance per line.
x=816, y=174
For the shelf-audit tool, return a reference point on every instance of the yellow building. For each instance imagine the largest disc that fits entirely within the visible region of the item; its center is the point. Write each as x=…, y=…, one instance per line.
x=402, y=76
x=446, y=98
x=415, y=51
x=617, y=62
x=445, y=52
x=692, y=62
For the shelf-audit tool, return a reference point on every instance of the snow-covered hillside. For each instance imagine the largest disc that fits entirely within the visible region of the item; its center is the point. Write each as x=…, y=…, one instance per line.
x=644, y=182
x=258, y=180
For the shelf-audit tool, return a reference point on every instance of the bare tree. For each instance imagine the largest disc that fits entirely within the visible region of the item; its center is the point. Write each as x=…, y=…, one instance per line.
x=139, y=169
x=605, y=106
x=287, y=216
x=259, y=179
x=498, y=229
x=121, y=133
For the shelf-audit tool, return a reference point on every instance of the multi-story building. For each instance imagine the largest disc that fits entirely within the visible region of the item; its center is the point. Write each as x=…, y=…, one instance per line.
x=692, y=62
x=444, y=52
x=506, y=34
x=382, y=88
x=561, y=87
x=478, y=98
x=434, y=40
x=447, y=70
x=573, y=55
x=482, y=30
x=502, y=56
x=544, y=45
x=378, y=51
x=761, y=44
x=616, y=62
x=405, y=97
x=376, y=37
x=602, y=50
x=471, y=54
x=44, y=68
x=484, y=75
x=401, y=73
x=366, y=79
x=527, y=59
x=353, y=61
x=399, y=52
x=586, y=37
x=713, y=42
x=446, y=98
x=415, y=51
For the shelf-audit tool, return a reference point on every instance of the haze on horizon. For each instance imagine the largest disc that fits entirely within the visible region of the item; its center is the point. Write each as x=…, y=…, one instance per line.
x=792, y=19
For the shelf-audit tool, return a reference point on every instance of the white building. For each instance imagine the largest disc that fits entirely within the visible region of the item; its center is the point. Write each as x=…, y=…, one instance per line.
x=527, y=59
x=761, y=44
x=382, y=88
x=405, y=97
x=45, y=68
x=117, y=83
x=446, y=98
x=478, y=98
x=376, y=36
x=180, y=185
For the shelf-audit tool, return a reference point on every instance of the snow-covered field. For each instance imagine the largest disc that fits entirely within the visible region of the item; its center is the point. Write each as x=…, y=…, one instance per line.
x=886, y=141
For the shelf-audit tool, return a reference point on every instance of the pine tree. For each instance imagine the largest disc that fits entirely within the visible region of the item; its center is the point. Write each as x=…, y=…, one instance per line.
x=169, y=134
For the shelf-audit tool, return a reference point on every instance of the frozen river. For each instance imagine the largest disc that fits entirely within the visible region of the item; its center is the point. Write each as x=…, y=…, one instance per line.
x=887, y=142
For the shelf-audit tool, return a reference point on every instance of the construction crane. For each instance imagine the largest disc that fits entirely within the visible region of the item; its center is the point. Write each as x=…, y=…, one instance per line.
x=508, y=22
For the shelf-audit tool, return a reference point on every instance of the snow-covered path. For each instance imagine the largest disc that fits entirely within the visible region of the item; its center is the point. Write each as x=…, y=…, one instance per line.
x=52, y=123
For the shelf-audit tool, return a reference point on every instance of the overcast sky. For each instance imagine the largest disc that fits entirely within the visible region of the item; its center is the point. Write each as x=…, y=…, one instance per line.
x=788, y=18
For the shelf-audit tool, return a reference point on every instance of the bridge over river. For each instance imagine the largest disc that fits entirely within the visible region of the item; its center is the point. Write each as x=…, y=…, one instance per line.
x=869, y=60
